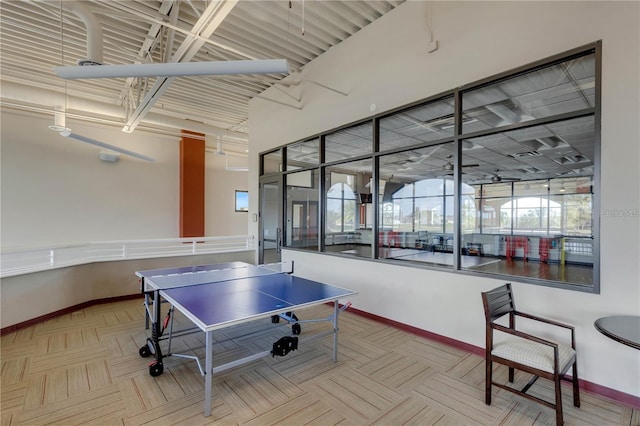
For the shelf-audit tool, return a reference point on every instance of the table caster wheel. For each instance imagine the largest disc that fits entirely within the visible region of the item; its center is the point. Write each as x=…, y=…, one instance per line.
x=144, y=351
x=156, y=369
x=296, y=329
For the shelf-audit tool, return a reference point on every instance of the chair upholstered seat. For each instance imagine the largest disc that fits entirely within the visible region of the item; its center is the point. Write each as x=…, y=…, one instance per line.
x=533, y=354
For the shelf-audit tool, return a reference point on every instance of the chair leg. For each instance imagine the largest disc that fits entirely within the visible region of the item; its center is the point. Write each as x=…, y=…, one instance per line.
x=487, y=381
x=559, y=419
x=576, y=386
x=511, y=374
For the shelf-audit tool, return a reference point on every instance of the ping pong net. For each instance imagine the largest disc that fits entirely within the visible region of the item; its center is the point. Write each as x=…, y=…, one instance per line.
x=198, y=277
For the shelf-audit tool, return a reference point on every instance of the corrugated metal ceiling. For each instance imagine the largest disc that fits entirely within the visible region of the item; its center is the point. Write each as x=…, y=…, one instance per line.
x=38, y=35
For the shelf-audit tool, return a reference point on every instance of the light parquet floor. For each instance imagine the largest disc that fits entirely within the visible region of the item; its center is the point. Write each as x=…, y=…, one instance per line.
x=84, y=368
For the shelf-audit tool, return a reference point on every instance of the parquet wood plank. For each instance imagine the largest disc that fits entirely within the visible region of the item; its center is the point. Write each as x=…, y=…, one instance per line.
x=13, y=370
x=470, y=369
x=184, y=411
x=68, y=358
x=12, y=397
x=460, y=400
x=55, y=387
x=188, y=377
x=56, y=326
x=397, y=371
x=148, y=391
x=410, y=412
x=355, y=396
x=438, y=355
x=259, y=394
x=99, y=374
x=128, y=365
x=16, y=349
x=297, y=411
x=83, y=408
x=77, y=380
x=306, y=365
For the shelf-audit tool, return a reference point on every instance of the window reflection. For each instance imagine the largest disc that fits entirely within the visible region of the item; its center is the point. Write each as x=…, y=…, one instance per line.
x=416, y=212
x=347, y=211
x=303, y=154
x=272, y=162
x=424, y=123
x=350, y=142
x=302, y=210
x=556, y=89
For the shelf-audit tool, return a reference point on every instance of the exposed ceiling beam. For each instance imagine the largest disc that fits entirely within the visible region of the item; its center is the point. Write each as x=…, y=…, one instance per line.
x=211, y=18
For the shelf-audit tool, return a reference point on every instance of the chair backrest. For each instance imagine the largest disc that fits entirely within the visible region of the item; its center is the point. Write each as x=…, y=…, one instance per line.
x=498, y=302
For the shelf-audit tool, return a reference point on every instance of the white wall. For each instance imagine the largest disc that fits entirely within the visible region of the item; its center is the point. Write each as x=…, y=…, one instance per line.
x=56, y=191
x=387, y=64
x=220, y=186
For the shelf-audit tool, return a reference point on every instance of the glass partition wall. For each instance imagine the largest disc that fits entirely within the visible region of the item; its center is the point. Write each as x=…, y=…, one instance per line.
x=498, y=177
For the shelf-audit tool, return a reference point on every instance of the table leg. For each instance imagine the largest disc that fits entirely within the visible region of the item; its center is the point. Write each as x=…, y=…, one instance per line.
x=208, y=379
x=335, y=330
x=157, y=313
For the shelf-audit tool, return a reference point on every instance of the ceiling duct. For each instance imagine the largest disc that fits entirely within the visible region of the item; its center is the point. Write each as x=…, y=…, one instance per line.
x=551, y=141
x=94, y=31
x=532, y=144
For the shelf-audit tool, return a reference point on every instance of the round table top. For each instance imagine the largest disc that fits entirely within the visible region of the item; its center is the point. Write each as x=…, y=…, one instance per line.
x=622, y=328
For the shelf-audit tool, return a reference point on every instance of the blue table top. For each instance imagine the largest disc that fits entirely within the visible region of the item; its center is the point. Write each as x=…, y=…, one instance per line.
x=220, y=304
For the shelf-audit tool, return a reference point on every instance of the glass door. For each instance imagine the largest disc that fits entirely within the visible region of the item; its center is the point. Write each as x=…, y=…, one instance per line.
x=270, y=220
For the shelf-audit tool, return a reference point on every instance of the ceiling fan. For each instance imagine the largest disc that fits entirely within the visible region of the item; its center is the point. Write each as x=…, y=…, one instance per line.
x=496, y=178
x=448, y=166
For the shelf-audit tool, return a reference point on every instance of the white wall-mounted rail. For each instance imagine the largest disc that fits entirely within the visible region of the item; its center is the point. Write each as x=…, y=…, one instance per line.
x=24, y=261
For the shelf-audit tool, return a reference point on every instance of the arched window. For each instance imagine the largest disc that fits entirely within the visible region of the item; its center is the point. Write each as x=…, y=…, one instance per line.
x=426, y=205
x=532, y=215
x=341, y=208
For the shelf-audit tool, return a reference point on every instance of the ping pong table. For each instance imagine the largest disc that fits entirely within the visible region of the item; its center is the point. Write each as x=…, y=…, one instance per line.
x=217, y=296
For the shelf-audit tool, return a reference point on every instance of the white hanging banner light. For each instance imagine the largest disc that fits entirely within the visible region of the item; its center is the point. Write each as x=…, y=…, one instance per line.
x=85, y=139
x=175, y=69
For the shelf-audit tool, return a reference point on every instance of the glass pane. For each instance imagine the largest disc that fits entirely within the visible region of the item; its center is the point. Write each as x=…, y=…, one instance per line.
x=269, y=212
x=520, y=217
x=424, y=123
x=416, y=206
x=348, y=203
x=347, y=143
x=565, y=148
x=303, y=154
x=557, y=89
x=272, y=162
x=302, y=210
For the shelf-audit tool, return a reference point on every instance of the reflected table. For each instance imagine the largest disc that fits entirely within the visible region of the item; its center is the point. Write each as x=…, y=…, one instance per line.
x=621, y=328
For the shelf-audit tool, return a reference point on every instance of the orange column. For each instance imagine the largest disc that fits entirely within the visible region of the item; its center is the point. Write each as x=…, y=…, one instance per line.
x=191, y=184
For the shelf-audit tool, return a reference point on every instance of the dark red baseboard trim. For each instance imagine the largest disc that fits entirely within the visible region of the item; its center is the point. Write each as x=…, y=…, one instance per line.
x=422, y=333
x=617, y=396
x=70, y=309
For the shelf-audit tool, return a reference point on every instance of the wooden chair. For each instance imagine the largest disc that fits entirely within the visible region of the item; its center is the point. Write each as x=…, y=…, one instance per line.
x=526, y=352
